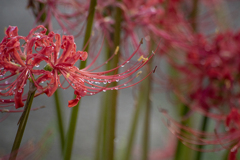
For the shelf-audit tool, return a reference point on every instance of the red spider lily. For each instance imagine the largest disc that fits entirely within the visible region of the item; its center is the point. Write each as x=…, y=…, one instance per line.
x=229, y=140
x=18, y=66
x=68, y=14
x=148, y=19
x=208, y=71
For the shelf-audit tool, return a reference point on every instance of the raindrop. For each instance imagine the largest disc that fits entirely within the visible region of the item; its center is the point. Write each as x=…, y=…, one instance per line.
x=128, y=61
x=2, y=100
x=6, y=82
x=104, y=90
x=116, y=88
x=105, y=82
x=117, y=80
x=109, y=81
x=122, y=65
x=125, y=84
x=20, y=91
x=91, y=93
x=37, y=65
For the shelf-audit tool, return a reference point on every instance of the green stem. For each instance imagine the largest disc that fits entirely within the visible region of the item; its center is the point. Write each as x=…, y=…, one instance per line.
x=133, y=128
x=59, y=119
x=193, y=14
x=74, y=113
x=181, y=149
x=111, y=97
x=146, y=125
x=56, y=95
x=203, y=129
x=100, y=134
x=23, y=121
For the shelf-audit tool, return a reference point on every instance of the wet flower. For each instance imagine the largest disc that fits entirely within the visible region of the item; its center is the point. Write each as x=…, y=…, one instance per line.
x=22, y=62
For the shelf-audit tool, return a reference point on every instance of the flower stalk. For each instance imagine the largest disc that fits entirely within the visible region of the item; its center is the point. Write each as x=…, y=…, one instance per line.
x=23, y=121
x=74, y=113
x=111, y=98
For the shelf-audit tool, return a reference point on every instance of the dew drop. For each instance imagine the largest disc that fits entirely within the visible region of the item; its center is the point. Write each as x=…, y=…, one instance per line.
x=117, y=80
x=6, y=82
x=91, y=93
x=122, y=65
x=104, y=82
x=20, y=91
x=104, y=90
x=116, y=88
x=37, y=65
x=128, y=61
x=125, y=84
x=109, y=81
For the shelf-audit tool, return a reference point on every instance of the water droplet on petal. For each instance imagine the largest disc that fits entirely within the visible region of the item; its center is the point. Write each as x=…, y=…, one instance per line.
x=122, y=65
x=117, y=80
x=116, y=88
x=104, y=90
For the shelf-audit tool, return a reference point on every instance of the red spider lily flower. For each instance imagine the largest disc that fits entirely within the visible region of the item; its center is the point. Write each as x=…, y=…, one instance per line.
x=21, y=62
x=15, y=65
x=229, y=140
x=68, y=14
x=208, y=71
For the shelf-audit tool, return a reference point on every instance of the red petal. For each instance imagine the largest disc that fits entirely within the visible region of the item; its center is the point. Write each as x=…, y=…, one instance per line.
x=73, y=102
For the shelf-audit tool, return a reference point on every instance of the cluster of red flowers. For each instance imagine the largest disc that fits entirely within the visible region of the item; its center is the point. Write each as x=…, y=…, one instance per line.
x=20, y=62
x=208, y=71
